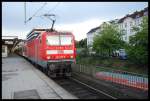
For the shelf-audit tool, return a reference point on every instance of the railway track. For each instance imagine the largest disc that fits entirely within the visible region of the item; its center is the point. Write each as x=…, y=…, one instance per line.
x=84, y=91
x=81, y=90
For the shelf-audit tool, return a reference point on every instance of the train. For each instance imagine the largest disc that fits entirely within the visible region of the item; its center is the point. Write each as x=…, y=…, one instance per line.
x=54, y=51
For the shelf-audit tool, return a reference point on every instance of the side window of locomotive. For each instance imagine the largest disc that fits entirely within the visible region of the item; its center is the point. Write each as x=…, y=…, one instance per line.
x=36, y=34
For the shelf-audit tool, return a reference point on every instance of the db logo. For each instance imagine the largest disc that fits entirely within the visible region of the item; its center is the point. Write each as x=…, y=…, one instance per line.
x=60, y=51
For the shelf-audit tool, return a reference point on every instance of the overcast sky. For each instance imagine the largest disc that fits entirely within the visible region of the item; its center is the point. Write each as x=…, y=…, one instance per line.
x=77, y=17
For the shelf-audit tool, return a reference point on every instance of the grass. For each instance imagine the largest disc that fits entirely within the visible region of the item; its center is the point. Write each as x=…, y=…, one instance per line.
x=112, y=63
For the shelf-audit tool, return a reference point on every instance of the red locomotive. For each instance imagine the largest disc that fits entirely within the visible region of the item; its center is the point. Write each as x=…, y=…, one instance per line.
x=53, y=51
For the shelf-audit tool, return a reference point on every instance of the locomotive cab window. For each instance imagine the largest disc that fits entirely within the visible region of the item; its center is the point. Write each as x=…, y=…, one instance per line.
x=59, y=40
x=66, y=40
x=52, y=40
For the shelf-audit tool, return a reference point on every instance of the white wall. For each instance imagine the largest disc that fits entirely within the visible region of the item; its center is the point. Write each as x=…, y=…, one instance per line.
x=90, y=37
x=130, y=22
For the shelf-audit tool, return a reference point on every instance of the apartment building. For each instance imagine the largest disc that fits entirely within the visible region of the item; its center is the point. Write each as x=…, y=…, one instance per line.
x=124, y=24
x=97, y=30
x=129, y=21
x=91, y=34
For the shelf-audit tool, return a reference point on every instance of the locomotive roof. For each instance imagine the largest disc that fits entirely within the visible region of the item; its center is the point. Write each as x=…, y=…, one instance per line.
x=40, y=30
x=47, y=30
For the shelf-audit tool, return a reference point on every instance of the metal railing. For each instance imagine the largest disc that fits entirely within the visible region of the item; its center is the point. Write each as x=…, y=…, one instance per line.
x=115, y=76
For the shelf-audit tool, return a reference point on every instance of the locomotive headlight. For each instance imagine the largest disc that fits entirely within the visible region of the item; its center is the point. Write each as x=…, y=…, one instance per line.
x=71, y=56
x=48, y=57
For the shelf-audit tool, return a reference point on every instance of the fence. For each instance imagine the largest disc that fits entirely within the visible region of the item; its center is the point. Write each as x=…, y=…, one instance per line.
x=88, y=70
x=114, y=76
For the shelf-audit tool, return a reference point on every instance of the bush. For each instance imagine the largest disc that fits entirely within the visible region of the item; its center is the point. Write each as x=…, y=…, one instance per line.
x=83, y=52
x=107, y=62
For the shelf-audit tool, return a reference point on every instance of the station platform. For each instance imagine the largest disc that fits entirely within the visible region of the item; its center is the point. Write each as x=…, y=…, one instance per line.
x=21, y=80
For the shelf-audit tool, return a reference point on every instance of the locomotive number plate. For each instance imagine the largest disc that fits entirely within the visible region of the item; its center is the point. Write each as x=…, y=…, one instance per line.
x=60, y=51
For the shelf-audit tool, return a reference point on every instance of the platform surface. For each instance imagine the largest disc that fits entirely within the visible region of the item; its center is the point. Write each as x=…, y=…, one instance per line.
x=21, y=80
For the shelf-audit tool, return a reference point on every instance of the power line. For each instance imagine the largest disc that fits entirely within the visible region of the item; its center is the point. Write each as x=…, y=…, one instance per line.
x=36, y=12
x=39, y=9
x=46, y=15
x=54, y=7
x=49, y=10
x=25, y=12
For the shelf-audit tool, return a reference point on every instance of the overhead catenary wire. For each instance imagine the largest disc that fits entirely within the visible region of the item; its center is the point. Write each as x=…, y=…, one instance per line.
x=49, y=10
x=53, y=7
x=25, y=12
x=48, y=15
x=45, y=15
x=36, y=12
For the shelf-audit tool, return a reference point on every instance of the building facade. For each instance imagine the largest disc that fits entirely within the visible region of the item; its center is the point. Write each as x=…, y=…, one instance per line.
x=91, y=34
x=125, y=25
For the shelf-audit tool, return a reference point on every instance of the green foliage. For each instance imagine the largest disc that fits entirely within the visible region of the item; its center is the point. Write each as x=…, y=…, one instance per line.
x=138, y=44
x=82, y=43
x=108, y=40
x=83, y=52
x=107, y=62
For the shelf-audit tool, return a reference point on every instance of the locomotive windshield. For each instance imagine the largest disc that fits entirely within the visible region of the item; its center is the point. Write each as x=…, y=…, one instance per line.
x=53, y=40
x=65, y=40
x=59, y=40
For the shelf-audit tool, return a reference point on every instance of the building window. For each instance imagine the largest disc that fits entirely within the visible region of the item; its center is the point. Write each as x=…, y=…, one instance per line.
x=125, y=25
x=125, y=38
x=136, y=22
x=131, y=23
x=131, y=30
x=137, y=16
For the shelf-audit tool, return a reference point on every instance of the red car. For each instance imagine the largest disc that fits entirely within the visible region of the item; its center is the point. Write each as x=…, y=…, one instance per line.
x=53, y=51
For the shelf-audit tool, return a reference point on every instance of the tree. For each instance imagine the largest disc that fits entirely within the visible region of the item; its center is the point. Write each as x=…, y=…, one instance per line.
x=82, y=43
x=108, y=40
x=138, y=44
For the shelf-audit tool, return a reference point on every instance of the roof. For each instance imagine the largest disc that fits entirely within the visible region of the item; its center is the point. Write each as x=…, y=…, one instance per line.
x=114, y=21
x=134, y=15
x=40, y=30
x=94, y=29
x=9, y=37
